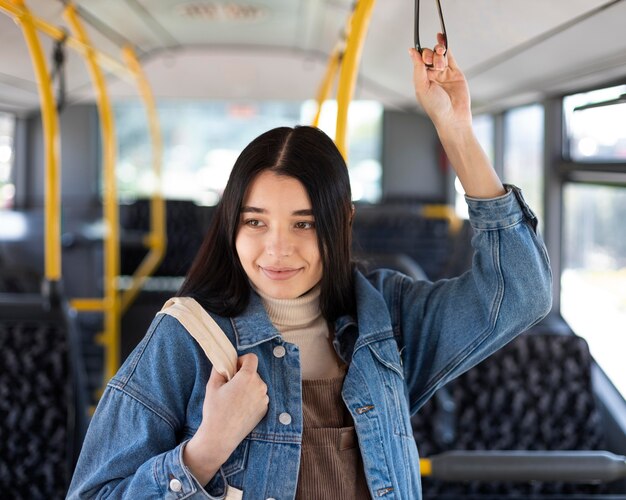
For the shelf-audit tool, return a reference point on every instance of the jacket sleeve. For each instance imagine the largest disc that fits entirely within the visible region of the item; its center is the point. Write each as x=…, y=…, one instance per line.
x=135, y=441
x=445, y=328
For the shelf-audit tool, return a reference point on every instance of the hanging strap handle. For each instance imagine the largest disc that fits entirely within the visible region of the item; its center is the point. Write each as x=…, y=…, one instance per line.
x=202, y=327
x=416, y=32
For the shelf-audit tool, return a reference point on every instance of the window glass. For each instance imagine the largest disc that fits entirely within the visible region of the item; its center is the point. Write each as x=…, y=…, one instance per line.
x=202, y=139
x=523, y=153
x=483, y=128
x=595, y=128
x=593, y=280
x=7, y=188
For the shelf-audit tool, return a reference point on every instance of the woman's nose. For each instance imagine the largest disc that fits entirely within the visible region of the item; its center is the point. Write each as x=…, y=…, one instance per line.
x=279, y=243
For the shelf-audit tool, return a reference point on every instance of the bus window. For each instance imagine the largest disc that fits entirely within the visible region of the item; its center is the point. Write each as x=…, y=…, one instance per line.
x=7, y=188
x=523, y=153
x=202, y=139
x=593, y=280
x=595, y=129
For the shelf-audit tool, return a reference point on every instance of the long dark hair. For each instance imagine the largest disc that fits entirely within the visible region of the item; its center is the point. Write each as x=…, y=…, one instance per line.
x=216, y=278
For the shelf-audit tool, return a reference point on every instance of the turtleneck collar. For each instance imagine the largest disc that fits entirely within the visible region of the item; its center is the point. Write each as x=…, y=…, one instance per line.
x=298, y=312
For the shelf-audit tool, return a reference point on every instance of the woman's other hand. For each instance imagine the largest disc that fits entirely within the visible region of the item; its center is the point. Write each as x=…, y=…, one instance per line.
x=442, y=89
x=230, y=411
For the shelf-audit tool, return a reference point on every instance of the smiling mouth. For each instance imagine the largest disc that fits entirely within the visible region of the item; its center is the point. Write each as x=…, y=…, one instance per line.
x=279, y=274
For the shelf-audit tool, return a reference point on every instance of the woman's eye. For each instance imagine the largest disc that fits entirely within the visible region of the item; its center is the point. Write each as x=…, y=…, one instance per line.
x=253, y=223
x=305, y=225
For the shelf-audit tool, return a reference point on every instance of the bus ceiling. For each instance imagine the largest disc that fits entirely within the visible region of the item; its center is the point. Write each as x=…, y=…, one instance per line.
x=512, y=53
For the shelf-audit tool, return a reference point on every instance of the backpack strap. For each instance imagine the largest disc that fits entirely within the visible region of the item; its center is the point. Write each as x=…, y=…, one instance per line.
x=202, y=327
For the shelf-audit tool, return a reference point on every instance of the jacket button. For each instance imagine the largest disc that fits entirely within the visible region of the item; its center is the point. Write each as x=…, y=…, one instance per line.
x=279, y=351
x=175, y=485
x=284, y=418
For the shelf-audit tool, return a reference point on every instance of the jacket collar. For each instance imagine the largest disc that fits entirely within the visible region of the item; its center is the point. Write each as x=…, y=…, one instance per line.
x=372, y=323
x=253, y=326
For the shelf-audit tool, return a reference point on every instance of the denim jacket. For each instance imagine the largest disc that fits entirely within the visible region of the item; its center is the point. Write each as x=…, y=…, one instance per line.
x=408, y=339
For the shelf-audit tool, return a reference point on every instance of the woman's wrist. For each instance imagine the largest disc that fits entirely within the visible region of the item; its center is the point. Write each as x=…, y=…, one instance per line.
x=201, y=459
x=458, y=133
x=470, y=162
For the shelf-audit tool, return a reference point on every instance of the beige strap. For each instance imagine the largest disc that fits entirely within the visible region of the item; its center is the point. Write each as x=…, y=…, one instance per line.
x=207, y=333
x=214, y=342
x=233, y=493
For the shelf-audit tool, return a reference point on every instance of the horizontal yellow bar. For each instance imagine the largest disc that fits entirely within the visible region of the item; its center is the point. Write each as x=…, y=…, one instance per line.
x=88, y=304
x=426, y=467
x=57, y=33
x=443, y=212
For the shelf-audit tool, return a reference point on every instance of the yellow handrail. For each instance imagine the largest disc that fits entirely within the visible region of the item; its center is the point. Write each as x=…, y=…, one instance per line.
x=349, y=68
x=50, y=123
x=110, y=337
x=156, y=241
x=326, y=86
x=18, y=10
x=111, y=304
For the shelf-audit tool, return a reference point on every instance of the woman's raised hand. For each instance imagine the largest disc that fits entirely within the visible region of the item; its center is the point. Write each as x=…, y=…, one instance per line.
x=230, y=411
x=441, y=89
x=443, y=92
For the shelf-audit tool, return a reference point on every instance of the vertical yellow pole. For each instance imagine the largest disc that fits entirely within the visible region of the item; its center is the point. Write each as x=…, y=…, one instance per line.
x=349, y=69
x=50, y=124
x=157, y=239
x=111, y=335
x=327, y=83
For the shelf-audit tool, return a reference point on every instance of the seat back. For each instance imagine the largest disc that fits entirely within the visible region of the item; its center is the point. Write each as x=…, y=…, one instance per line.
x=534, y=394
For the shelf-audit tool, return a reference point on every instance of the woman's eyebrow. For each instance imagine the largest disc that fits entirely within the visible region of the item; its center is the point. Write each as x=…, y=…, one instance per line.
x=257, y=210
x=306, y=211
x=254, y=210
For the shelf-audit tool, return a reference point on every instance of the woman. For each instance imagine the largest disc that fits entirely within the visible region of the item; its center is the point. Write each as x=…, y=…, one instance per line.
x=332, y=363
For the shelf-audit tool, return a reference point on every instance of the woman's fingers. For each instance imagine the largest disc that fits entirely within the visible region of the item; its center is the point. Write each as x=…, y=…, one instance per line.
x=216, y=379
x=248, y=362
x=442, y=40
x=437, y=57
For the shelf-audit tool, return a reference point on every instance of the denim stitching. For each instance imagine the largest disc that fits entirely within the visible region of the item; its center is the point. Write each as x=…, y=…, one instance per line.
x=145, y=405
x=143, y=345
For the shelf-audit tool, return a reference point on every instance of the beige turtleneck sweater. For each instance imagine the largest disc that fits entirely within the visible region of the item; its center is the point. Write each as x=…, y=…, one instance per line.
x=300, y=322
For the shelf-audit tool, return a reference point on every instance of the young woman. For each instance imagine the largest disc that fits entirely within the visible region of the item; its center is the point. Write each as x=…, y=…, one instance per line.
x=332, y=362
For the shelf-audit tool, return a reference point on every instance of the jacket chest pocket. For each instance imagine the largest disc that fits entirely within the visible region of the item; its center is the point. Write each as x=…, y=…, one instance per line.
x=390, y=376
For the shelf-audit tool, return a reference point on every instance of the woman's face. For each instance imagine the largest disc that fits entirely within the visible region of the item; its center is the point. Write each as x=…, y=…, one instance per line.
x=276, y=240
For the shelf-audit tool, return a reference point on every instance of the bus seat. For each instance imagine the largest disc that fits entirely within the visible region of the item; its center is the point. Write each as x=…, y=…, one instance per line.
x=42, y=399
x=186, y=225
x=534, y=394
x=384, y=229
x=396, y=261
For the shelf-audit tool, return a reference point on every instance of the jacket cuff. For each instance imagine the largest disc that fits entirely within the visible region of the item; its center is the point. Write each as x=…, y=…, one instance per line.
x=500, y=212
x=175, y=478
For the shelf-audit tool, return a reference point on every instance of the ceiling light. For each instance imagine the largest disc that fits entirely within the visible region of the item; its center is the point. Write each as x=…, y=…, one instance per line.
x=222, y=11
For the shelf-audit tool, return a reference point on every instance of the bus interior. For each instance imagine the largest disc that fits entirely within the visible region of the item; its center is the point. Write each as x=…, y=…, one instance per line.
x=120, y=121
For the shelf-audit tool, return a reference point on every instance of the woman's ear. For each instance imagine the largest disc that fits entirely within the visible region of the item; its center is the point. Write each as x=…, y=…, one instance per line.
x=352, y=212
